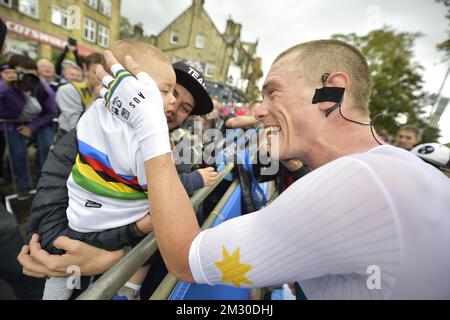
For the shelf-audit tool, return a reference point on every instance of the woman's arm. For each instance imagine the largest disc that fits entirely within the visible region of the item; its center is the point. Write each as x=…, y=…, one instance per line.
x=59, y=61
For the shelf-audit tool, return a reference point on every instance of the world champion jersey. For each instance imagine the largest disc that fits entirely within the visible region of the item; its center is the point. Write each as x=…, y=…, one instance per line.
x=107, y=186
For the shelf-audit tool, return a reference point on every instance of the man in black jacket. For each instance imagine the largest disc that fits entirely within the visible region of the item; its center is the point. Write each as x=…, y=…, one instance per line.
x=11, y=241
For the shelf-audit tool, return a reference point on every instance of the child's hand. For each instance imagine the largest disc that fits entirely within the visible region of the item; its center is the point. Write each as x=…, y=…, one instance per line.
x=134, y=97
x=292, y=164
x=209, y=176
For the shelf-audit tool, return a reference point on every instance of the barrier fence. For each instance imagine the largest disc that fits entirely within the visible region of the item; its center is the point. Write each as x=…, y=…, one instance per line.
x=112, y=280
x=4, y=127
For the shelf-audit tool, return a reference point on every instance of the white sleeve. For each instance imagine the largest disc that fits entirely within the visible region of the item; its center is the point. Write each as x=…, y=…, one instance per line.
x=139, y=171
x=336, y=220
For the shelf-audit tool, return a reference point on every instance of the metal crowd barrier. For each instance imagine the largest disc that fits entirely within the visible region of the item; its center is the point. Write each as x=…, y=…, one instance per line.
x=112, y=280
x=4, y=123
x=168, y=283
x=9, y=198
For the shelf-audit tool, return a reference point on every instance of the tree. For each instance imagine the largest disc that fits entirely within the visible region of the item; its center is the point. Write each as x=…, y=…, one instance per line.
x=397, y=81
x=445, y=46
x=126, y=29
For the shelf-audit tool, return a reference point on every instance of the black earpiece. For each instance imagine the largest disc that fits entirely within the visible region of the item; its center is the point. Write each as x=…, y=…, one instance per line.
x=327, y=113
x=325, y=78
x=336, y=95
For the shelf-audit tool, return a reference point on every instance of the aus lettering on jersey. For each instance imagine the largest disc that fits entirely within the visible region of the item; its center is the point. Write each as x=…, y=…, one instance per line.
x=136, y=100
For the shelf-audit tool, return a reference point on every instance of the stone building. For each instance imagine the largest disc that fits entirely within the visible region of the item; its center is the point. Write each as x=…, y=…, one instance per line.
x=230, y=65
x=41, y=28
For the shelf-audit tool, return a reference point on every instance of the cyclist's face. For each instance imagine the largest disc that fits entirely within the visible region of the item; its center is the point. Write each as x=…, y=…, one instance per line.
x=287, y=109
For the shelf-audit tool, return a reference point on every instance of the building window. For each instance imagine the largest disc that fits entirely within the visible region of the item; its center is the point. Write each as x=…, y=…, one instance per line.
x=200, y=41
x=105, y=7
x=59, y=16
x=29, y=8
x=92, y=3
x=174, y=37
x=7, y=3
x=90, y=29
x=209, y=70
x=103, y=36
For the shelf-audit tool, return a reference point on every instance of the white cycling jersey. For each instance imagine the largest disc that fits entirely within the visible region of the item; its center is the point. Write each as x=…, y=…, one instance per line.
x=372, y=225
x=107, y=186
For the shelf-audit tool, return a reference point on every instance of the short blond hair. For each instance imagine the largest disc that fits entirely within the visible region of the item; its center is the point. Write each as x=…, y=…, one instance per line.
x=330, y=56
x=140, y=51
x=69, y=66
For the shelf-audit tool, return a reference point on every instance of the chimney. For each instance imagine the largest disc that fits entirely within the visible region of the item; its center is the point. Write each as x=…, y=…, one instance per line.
x=138, y=30
x=198, y=3
x=233, y=29
x=237, y=32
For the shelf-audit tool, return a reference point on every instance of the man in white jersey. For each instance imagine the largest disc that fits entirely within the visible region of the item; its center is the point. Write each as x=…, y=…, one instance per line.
x=369, y=222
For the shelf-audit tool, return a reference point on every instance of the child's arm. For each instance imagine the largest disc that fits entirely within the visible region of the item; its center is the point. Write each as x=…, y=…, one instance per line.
x=198, y=179
x=191, y=182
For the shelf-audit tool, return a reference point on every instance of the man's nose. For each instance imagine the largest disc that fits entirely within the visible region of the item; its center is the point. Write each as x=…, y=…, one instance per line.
x=261, y=112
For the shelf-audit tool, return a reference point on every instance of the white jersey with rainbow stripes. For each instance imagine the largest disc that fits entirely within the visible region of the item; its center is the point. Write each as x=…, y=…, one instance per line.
x=107, y=186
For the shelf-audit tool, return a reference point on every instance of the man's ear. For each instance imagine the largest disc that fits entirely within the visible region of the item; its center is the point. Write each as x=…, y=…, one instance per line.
x=338, y=79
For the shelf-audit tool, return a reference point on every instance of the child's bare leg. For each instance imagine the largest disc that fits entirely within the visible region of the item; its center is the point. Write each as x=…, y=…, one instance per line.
x=131, y=289
x=139, y=277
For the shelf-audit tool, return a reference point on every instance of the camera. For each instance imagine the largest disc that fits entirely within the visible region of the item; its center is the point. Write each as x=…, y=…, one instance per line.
x=72, y=41
x=27, y=81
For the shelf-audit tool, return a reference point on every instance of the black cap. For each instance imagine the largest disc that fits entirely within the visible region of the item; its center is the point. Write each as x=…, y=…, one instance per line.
x=194, y=82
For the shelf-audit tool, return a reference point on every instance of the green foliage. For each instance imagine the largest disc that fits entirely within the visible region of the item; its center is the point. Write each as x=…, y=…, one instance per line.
x=430, y=134
x=397, y=79
x=445, y=46
x=126, y=29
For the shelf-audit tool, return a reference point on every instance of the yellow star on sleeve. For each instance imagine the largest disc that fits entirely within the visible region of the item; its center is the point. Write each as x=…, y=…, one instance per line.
x=232, y=269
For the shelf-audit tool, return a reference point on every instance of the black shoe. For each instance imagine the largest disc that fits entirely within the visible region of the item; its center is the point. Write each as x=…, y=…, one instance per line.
x=23, y=194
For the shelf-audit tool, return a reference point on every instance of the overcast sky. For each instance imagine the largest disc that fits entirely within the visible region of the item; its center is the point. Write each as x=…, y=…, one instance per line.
x=284, y=23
